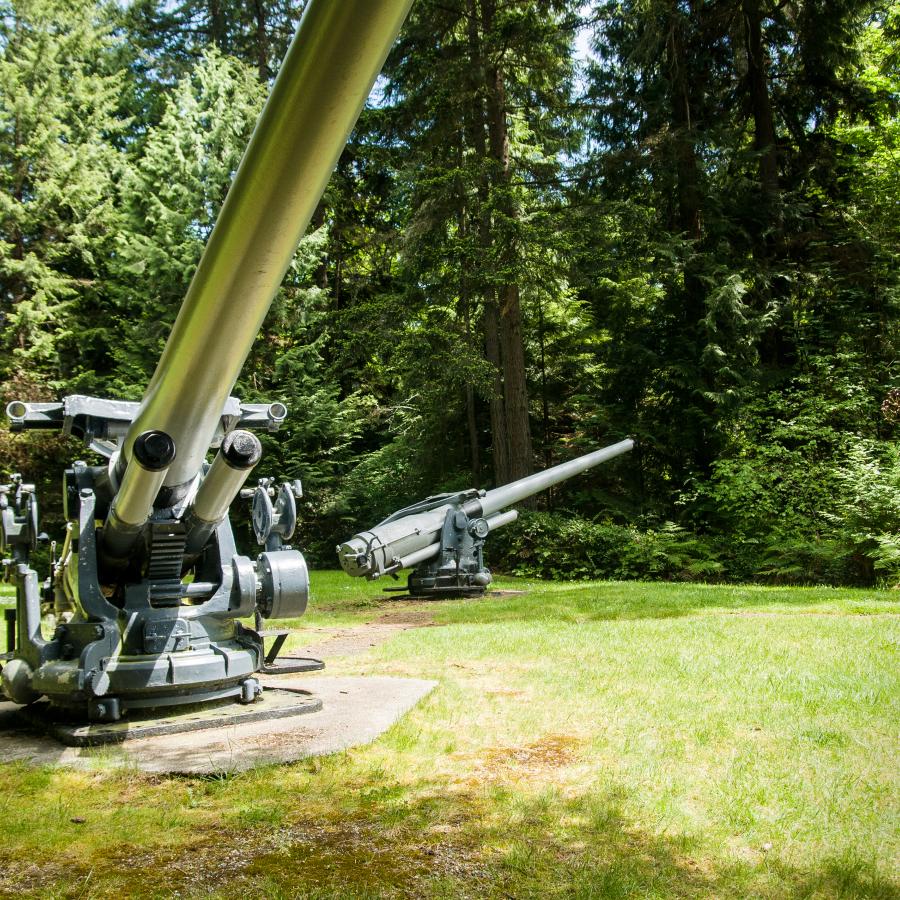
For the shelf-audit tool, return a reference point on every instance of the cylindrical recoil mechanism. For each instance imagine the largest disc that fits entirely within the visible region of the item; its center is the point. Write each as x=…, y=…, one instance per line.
x=321, y=87
x=283, y=581
x=480, y=528
x=412, y=536
x=236, y=459
x=152, y=454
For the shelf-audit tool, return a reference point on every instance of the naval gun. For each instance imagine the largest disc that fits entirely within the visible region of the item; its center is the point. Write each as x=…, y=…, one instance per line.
x=148, y=585
x=442, y=538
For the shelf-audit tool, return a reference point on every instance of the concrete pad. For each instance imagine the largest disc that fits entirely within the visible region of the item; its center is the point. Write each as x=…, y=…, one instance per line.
x=355, y=711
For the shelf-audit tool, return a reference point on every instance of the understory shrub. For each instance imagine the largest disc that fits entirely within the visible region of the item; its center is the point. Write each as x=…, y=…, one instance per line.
x=556, y=545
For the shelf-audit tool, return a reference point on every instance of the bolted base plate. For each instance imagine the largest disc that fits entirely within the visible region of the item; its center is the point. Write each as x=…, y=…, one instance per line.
x=274, y=703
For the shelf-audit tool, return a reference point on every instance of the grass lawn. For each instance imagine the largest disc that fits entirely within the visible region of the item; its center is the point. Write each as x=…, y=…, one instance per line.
x=586, y=740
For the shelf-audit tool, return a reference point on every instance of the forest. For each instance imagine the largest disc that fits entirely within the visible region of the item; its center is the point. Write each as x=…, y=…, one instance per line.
x=556, y=224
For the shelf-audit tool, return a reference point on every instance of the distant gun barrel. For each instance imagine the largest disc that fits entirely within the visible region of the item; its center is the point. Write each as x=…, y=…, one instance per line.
x=517, y=491
x=448, y=531
x=320, y=90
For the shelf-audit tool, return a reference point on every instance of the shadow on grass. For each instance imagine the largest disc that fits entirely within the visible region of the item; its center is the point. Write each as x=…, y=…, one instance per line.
x=435, y=839
x=495, y=841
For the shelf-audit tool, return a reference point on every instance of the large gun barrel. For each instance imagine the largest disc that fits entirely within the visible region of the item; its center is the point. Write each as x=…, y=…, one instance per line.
x=323, y=83
x=443, y=536
x=517, y=491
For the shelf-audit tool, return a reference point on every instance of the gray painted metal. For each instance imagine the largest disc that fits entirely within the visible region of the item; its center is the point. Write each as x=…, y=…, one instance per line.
x=412, y=536
x=135, y=635
x=498, y=520
x=101, y=422
x=509, y=494
x=276, y=704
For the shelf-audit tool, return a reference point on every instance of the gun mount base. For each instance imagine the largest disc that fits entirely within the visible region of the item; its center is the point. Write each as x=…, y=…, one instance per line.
x=108, y=635
x=423, y=589
x=276, y=703
x=453, y=566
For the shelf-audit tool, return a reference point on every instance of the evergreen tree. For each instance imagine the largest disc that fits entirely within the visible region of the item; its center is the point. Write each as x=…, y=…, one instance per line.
x=59, y=162
x=174, y=36
x=170, y=198
x=478, y=88
x=701, y=114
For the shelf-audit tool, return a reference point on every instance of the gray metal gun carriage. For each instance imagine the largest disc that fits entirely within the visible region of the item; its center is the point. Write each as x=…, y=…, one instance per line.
x=442, y=538
x=148, y=584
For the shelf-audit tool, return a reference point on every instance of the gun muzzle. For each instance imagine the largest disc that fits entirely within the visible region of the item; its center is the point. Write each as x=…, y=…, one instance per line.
x=152, y=454
x=372, y=553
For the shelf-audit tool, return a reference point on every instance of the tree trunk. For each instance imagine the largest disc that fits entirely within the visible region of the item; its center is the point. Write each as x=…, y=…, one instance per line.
x=217, y=24
x=687, y=171
x=262, y=40
x=491, y=313
x=761, y=106
x=545, y=403
x=773, y=347
x=499, y=435
x=465, y=309
x=518, y=427
x=691, y=300
x=512, y=351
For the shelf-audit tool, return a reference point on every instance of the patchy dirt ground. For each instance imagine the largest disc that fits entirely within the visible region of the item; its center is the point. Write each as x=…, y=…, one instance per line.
x=358, y=639
x=353, y=853
x=540, y=758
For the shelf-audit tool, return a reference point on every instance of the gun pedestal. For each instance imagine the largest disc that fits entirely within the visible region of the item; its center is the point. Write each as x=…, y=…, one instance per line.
x=136, y=634
x=149, y=575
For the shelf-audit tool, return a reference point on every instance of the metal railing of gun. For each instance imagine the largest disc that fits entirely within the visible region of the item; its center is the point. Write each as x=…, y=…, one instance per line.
x=442, y=538
x=151, y=598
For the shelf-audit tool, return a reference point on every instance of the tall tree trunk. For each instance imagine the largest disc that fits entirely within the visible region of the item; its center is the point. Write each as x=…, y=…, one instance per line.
x=499, y=435
x=691, y=299
x=465, y=309
x=774, y=345
x=512, y=349
x=761, y=106
x=687, y=170
x=217, y=24
x=521, y=462
x=545, y=403
x=491, y=312
x=262, y=40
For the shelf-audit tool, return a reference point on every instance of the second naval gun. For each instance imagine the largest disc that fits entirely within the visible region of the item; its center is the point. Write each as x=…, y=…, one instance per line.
x=442, y=538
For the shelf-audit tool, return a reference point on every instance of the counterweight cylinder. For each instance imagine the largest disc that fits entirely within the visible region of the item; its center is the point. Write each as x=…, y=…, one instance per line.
x=153, y=454
x=324, y=80
x=239, y=453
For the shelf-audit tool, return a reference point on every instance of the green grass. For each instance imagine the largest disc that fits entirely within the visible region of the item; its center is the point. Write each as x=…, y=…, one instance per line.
x=586, y=740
